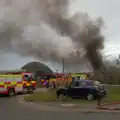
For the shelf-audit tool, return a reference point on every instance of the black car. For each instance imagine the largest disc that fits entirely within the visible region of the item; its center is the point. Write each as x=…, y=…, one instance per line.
x=87, y=89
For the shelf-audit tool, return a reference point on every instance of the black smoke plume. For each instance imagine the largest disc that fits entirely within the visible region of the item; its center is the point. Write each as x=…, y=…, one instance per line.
x=84, y=38
x=83, y=31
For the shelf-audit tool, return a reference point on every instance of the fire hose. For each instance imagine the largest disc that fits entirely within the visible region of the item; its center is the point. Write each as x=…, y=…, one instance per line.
x=103, y=106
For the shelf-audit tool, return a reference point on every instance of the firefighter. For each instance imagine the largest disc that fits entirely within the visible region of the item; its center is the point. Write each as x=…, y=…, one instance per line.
x=42, y=82
x=54, y=85
x=57, y=82
x=47, y=84
x=66, y=81
x=50, y=83
x=69, y=81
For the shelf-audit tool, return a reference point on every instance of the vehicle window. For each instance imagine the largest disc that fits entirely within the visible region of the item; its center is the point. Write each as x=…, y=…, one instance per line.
x=32, y=78
x=77, y=84
x=90, y=83
x=82, y=78
x=74, y=84
x=82, y=84
x=27, y=77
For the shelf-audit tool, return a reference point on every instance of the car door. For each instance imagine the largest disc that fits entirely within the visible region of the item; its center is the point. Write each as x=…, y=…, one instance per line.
x=81, y=89
x=73, y=89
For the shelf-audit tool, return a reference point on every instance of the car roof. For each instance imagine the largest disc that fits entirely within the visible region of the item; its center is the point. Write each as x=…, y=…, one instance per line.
x=88, y=81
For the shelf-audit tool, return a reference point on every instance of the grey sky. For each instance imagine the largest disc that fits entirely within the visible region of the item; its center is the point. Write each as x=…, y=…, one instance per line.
x=107, y=9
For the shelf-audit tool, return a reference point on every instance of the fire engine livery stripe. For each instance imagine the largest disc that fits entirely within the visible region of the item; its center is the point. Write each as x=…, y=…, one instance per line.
x=2, y=83
x=19, y=85
x=33, y=82
x=24, y=82
x=28, y=84
x=19, y=82
x=1, y=86
x=13, y=83
x=7, y=83
x=3, y=92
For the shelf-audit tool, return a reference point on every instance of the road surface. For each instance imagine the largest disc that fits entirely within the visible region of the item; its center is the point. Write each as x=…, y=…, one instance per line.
x=11, y=109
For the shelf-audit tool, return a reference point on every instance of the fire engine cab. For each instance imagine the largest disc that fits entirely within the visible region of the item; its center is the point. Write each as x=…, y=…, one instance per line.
x=13, y=83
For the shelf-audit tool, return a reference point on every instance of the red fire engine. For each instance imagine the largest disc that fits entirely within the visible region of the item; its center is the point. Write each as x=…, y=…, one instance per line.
x=13, y=83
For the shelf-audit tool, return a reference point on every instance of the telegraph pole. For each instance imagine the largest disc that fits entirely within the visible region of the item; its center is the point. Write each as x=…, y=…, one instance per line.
x=118, y=60
x=63, y=65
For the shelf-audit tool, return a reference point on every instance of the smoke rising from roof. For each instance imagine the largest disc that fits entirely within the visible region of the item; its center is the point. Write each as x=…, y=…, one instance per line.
x=81, y=35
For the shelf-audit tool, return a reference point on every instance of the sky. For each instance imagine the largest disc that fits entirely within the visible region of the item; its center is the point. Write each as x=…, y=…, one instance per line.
x=107, y=9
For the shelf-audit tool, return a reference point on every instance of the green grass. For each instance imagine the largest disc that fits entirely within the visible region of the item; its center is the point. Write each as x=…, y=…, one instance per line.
x=113, y=94
x=42, y=96
x=50, y=96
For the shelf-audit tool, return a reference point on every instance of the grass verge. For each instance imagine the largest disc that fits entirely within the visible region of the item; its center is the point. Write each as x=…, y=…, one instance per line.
x=50, y=96
x=113, y=94
x=42, y=96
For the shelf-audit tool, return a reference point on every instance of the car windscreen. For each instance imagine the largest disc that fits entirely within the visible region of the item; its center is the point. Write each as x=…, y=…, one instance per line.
x=93, y=83
x=27, y=77
x=78, y=84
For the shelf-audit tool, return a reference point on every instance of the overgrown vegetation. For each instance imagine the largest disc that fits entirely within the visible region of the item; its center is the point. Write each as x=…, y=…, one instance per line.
x=110, y=76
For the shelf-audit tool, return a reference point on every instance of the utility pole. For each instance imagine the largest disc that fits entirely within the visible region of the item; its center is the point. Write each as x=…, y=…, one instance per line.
x=63, y=64
x=118, y=60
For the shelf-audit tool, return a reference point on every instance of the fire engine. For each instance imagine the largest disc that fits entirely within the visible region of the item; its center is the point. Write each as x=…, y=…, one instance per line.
x=79, y=76
x=48, y=80
x=13, y=83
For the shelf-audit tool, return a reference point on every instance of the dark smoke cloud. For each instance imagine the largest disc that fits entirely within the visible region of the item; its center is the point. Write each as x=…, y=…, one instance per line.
x=87, y=33
x=84, y=35
x=12, y=41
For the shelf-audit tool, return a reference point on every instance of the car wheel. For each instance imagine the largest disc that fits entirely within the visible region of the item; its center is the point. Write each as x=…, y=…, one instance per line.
x=11, y=92
x=90, y=96
x=31, y=90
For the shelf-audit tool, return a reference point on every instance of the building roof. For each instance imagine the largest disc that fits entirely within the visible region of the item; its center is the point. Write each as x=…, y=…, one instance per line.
x=37, y=67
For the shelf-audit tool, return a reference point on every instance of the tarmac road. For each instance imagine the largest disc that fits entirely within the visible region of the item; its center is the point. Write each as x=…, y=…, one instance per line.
x=11, y=109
